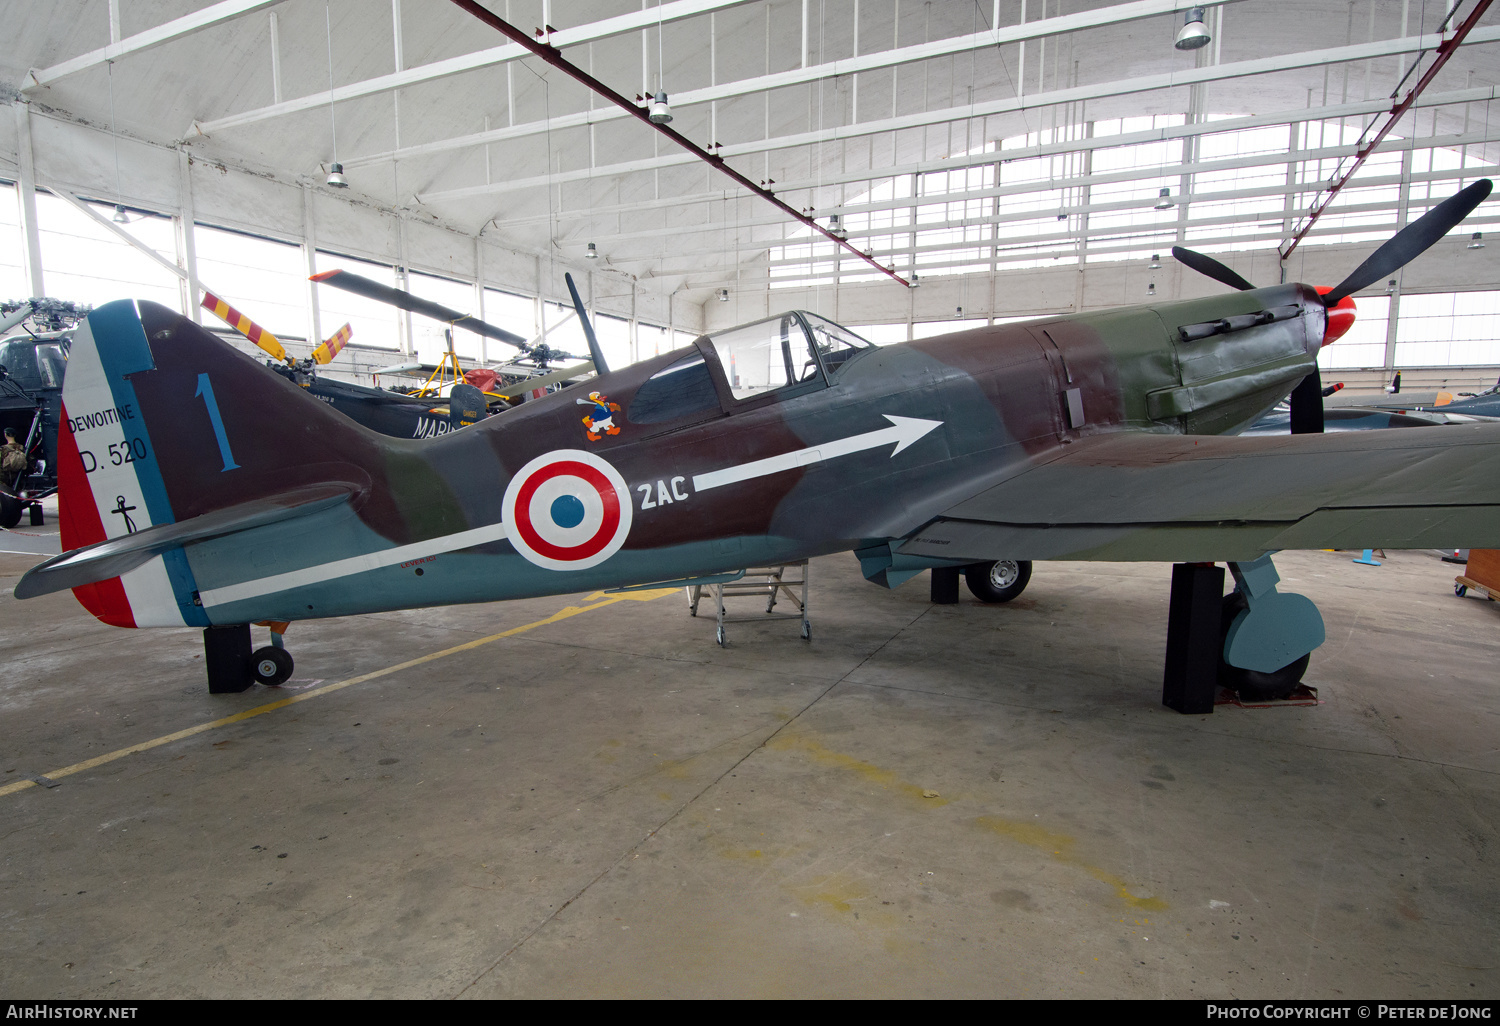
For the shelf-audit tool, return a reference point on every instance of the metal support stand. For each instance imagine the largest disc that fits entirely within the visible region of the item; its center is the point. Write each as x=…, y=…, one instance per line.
x=945, y=585
x=1191, y=682
x=226, y=657
x=766, y=581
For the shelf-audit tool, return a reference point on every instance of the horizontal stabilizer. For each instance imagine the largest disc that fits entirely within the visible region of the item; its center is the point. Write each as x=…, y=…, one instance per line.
x=116, y=556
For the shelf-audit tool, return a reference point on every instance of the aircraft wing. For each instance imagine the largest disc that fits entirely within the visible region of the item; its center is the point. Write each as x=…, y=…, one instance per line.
x=1208, y=497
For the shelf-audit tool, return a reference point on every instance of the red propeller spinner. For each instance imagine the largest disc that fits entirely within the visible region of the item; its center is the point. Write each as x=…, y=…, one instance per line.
x=1340, y=316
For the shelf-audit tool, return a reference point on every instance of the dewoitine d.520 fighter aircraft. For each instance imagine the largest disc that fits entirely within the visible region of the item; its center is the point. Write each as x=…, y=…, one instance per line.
x=201, y=489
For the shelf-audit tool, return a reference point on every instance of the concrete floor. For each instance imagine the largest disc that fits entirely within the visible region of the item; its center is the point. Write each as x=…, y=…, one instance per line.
x=921, y=801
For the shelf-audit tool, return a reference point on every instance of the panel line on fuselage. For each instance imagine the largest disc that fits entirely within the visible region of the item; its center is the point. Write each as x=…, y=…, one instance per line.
x=352, y=565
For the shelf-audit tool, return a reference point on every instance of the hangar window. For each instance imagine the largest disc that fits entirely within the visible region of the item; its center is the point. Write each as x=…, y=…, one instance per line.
x=12, y=251
x=375, y=324
x=264, y=278
x=426, y=333
x=86, y=263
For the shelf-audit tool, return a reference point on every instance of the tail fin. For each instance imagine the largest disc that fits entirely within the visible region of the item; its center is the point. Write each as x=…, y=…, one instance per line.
x=163, y=422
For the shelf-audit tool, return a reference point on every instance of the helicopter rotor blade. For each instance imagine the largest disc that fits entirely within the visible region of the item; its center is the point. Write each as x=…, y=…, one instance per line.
x=1412, y=241
x=1207, y=265
x=361, y=286
x=245, y=326
x=331, y=346
x=16, y=316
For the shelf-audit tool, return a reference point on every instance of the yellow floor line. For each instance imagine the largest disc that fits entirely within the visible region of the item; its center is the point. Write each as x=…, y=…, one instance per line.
x=261, y=710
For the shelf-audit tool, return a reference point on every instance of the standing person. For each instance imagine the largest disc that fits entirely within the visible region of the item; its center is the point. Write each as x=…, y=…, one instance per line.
x=13, y=459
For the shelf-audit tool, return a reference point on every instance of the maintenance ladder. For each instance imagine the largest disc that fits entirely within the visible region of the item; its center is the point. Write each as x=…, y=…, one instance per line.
x=768, y=582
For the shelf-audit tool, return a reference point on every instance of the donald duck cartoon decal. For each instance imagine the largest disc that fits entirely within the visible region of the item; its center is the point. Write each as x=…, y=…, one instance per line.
x=600, y=421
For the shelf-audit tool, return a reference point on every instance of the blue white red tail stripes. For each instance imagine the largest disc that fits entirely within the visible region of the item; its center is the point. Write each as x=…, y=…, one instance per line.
x=109, y=481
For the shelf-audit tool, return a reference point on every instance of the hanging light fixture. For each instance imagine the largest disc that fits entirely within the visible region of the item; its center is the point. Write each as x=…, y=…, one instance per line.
x=1390, y=287
x=1192, y=35
x=1164, y=199
x=123, y=218
x=1155, y=261
x=1477, y=242
x=1151, y=289
x=660, y=113
x=591, y=253
x=836, y=228
x=723, y=295
x=335, y=179
x=914, y=282
x=958, y=312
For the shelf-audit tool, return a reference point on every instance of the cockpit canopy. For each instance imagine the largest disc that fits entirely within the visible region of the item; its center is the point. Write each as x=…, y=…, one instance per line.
x=782, y=350
x=756, y=359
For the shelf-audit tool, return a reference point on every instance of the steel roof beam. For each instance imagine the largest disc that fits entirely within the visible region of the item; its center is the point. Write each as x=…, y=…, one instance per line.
x=1276, y=160
x=1445, y=49
x=215, y=14
x=554, y=57
x=1012, y=254
x=1103, y=232
x=1145, y=83
x=876, y=60
x=677, y=10
x=1324, y=113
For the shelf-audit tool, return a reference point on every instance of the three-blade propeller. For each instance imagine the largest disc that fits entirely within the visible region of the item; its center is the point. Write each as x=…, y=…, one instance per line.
x=1398, y=251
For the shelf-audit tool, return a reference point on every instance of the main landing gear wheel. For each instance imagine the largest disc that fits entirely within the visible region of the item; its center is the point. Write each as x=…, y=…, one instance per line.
x=1253, y=685
x=271, y=665
x=10, y=511
x=1000, y=581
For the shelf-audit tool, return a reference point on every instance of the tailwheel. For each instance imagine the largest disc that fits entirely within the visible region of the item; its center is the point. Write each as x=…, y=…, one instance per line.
x=271, y=665
x=1253, y=685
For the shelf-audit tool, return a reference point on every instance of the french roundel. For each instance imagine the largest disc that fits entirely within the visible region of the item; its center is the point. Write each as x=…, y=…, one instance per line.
x=567, y=510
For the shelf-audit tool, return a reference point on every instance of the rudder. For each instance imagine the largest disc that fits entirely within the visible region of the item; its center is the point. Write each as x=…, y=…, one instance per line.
x=164, y=422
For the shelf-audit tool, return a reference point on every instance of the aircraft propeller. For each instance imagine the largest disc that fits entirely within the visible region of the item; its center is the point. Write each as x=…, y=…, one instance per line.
x=1207, y=265
x=1395, y=253
x=1412, y=241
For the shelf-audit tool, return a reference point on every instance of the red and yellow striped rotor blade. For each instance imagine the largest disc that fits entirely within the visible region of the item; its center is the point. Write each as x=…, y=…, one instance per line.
x=244, y=325
x=329, y=349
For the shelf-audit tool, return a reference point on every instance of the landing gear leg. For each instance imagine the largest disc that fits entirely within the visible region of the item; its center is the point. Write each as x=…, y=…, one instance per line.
x=1193, y=638
x=945, y=585
x=226, y=657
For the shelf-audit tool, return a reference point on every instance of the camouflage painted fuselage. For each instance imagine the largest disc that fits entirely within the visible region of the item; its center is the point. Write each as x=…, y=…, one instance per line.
x=858, y=455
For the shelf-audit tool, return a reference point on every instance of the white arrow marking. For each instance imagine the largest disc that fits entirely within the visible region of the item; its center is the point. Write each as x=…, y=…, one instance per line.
x=352, y=565
x=903, y=432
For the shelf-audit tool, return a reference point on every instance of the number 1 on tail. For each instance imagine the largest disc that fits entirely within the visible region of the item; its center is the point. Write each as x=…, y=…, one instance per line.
x=206, y=390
